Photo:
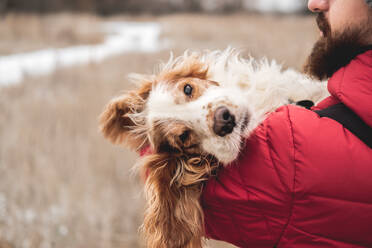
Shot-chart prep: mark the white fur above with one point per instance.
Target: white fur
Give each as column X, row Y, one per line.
column 255, row 88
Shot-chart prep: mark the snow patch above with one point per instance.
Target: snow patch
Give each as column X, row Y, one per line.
column 281, row 6
column 121, row 37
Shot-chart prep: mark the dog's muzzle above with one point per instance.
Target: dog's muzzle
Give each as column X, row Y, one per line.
column 224, row 121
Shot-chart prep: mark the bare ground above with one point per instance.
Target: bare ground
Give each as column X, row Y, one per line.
column 61, row 184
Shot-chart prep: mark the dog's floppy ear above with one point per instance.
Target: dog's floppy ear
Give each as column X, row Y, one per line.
column 121, row 120
column 173, row 216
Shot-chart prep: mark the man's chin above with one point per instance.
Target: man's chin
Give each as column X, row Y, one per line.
column 330, row 53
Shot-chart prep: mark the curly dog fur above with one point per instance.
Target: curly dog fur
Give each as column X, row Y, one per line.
column 173, row 114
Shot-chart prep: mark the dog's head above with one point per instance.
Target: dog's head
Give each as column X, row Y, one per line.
column 192, row 124
column 181, row 110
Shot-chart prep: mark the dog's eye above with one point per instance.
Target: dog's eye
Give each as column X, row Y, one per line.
column 187, row 90
column 183, row 137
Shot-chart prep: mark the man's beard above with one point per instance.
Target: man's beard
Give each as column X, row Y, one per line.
column 335, row 50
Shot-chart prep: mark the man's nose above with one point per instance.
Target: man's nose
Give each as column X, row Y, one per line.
column 318, row 5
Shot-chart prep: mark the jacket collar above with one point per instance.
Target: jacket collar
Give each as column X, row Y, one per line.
column 352, row 85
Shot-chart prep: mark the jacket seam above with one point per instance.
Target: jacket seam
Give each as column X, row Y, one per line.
column 230, row 216
column 268, row 226
column 294, row 181
column 329, row 238
column 270, row 232
column 339, row 93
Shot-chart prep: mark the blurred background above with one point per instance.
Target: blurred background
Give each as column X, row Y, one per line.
column 61, row 184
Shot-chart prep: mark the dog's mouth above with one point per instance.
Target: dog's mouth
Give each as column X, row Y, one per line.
column 245, row 121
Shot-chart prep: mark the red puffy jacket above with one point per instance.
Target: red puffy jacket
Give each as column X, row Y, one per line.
column 302, row 181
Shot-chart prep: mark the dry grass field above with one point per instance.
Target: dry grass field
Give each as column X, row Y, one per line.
column 61, row 184
column 22, row 33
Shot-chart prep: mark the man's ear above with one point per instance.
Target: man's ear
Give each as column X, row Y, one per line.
column 122, row 122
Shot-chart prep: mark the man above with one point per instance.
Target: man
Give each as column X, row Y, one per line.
column 306, row 181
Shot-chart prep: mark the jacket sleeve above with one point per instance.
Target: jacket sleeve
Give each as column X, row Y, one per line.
column 249, row 202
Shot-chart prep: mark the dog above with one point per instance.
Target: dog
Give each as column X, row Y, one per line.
column 194, row 115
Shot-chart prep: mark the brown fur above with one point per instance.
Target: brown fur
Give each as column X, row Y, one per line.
column 190, row 67
column 176, row 170
column 175, row 137
column 174, row 217
column 116, row 123
column 199, row 86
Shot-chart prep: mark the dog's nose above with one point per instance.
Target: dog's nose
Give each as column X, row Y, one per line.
column 224, row 121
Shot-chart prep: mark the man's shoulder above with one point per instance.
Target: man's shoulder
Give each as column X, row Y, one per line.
column 291, row 119
column 301, row 132
column 298, row 124
column 288, row 120
column 291, row 129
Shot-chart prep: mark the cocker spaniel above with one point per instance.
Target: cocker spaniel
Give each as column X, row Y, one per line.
column 192, row 117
